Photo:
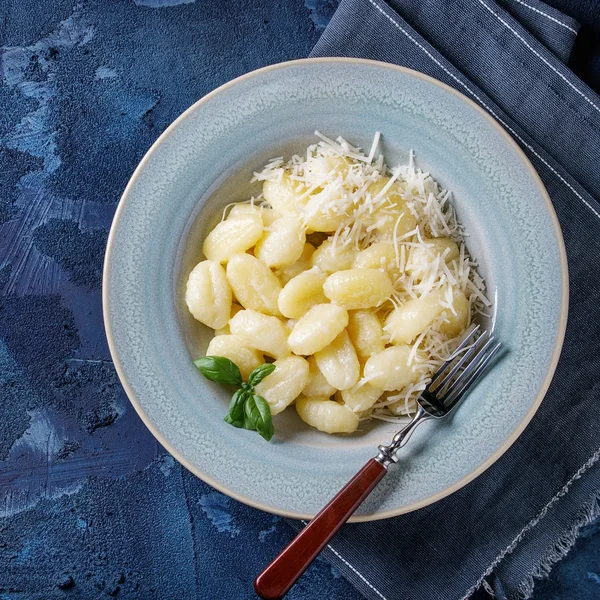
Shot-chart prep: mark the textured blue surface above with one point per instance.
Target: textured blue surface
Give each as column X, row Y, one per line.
column 91, row 506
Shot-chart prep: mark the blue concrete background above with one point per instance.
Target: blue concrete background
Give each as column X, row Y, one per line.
column 90, row 505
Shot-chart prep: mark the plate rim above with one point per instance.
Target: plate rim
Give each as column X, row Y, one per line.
column 562, row 324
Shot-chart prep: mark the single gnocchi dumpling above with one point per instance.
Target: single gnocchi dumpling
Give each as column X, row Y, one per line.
column 421, row 257
column 366, row 333
column 389, row 370
column 285, row 196
column 285, row 383
column 235, row 234
column 322, row 167
column 304, row 263
column 358, row 288
column 361, row 397
column 380, row 255
column 453, row 324
column 237, row 351
column 326, row 415
column 317, row 212
column 393, row 226
column 255, row 286
column 393, row 220
column 317, row 384
column 330, row 258
column 283, row 244
column 302, row 293
column 265, row 333
column 410, row 319
column 268, row 215
column 393, row 193
column 244, row 208
column 317, row 328
column 208, row 294
column 394, row 208
column 339, row 363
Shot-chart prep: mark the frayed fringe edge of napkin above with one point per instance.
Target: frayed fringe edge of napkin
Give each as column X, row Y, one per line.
column 561, row 548
column 588, row 513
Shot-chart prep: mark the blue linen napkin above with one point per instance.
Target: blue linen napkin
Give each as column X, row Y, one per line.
column 510, row 525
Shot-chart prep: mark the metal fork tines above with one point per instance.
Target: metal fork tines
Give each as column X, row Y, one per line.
column 448, row 386
column 456, row 376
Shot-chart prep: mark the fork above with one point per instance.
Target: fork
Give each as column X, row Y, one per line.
column 447, row 387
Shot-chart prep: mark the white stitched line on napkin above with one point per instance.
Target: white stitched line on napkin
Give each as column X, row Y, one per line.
column 359, row 574
column 549, row 166
column 472, row 93
column 351, row 567
column 538, row 54
column 590, row 463
column 541, row 12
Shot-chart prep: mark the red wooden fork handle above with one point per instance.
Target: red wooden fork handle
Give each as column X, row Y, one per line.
column 281, row 574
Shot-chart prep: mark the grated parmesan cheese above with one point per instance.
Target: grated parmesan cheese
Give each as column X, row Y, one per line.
column 365, row 202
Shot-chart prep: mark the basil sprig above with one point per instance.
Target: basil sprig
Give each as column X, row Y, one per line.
column 247, row 410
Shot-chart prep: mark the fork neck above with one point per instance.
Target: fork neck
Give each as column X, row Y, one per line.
column 387, row 454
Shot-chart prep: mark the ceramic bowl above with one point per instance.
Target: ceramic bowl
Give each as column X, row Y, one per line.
column 205, row 160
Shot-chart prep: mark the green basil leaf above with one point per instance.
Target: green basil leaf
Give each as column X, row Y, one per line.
column 235, row 416
column 248, row 421
column 259, row 414
column 219, row 369
column 260, row 373
column 238, row 424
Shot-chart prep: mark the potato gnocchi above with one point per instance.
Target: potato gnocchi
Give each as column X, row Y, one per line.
column 352, row 277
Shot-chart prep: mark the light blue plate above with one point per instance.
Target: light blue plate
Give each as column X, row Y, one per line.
column 205, row 160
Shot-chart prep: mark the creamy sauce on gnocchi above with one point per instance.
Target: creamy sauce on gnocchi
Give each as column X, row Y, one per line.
column 352, row 276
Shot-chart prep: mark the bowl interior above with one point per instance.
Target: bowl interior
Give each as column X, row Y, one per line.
column 235, row 186
column 206, row 160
